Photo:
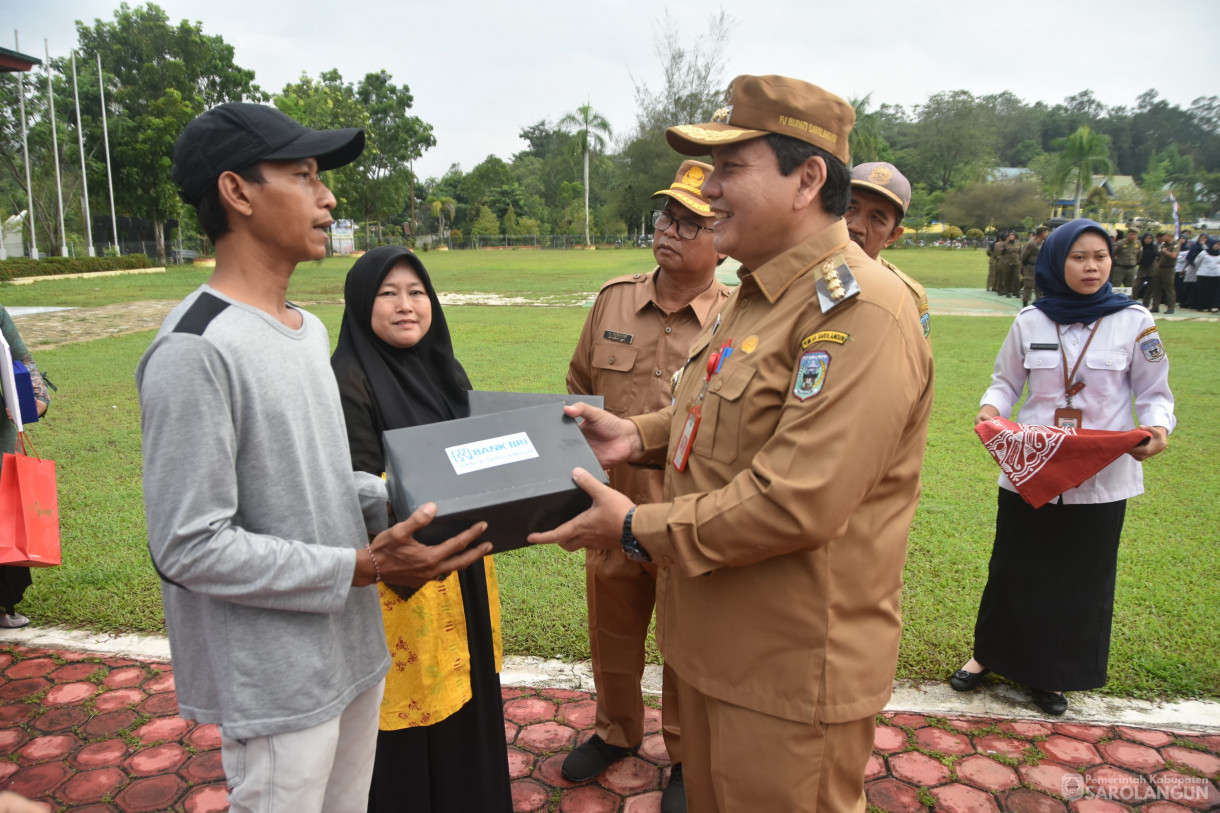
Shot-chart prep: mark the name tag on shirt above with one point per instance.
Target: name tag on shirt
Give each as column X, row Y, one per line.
column 1044, row 346
column 624, row 338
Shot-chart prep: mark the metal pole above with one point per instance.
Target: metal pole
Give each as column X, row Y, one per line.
column 80, row 140
column 59, row 186
column 114, row 221
column 25, row 152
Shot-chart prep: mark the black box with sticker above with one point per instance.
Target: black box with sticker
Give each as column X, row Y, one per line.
column 511, row 468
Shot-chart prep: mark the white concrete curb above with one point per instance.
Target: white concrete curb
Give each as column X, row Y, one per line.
column 934, row 698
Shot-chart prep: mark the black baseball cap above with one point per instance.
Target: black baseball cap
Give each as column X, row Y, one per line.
column 236, row 135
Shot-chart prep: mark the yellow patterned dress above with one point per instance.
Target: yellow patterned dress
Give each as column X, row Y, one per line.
column 430, row 677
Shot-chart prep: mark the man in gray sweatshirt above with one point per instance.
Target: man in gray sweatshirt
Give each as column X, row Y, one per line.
column 257, row 526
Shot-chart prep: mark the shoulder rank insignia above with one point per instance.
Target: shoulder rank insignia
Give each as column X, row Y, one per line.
column 810, row 374
column 836, row 283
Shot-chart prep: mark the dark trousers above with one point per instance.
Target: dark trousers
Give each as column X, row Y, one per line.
column 1160, row 289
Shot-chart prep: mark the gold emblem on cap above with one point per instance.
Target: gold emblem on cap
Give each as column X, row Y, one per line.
column 699, row 134
column 880, row 175
column 693, row 177
column 750, row 344
column 721, row 116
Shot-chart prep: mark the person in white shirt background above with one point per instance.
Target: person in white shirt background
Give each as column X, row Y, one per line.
column 1045, row 615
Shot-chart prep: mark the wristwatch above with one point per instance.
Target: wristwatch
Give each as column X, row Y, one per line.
column 631, row 545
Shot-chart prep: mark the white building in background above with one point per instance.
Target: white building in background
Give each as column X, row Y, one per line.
column 342, row 237
column 10, row 237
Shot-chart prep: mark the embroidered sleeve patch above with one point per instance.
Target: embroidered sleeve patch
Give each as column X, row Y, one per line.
column 811, row 374
column 824, row 336
column 1152, row 349
column 1147, row 332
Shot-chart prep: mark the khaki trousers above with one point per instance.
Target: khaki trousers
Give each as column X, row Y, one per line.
column 621, row 594
column 1027, row 279
column 1160, row 289
column 743, row 761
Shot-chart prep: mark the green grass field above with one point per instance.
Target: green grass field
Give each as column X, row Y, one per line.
column 1166, row 642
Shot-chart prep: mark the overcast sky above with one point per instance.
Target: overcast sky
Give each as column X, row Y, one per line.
column 481, row 71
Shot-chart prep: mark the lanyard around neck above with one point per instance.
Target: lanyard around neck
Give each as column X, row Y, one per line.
column 1070, row 389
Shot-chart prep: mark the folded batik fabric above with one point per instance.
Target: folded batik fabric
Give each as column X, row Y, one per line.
column 1042, row 462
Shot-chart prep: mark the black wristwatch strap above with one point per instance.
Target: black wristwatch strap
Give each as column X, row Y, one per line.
column 631, row 545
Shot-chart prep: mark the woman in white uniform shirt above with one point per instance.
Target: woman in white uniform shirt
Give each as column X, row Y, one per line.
column 1044, row 618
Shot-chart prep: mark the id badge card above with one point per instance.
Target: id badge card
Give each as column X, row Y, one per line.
column 682, row 449
column 1068, row 418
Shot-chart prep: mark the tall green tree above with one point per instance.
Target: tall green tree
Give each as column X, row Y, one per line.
column 591, row 130
column 439, row 205
column 1080, row 155
column 692, row 87
column 866, row 142
column 395, row 141
column 158, row 77
column 953, row 142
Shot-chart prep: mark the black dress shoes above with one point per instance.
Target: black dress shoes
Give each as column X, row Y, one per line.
column 673, row 798
column 963, row 681
column 1053, row 703
column 590, row 758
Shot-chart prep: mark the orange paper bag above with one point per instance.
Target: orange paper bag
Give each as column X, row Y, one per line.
column 29, row 510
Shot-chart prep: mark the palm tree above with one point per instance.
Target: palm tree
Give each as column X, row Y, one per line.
column 1081, row 154
column 589, row 125
column 439, row 206
column 866, row 142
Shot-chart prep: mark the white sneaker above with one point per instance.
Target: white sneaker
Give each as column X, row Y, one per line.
column 14, row 621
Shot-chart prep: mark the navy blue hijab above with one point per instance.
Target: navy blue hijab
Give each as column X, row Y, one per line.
column 1059, row 302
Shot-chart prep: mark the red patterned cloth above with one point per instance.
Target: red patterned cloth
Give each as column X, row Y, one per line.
column 1044, row 461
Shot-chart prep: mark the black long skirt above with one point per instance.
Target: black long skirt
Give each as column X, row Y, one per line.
column 13, row 582
column 1044, row 619
column 1206, row 294
column 459, row 765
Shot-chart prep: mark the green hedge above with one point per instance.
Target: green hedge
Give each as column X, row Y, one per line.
column 25, row 267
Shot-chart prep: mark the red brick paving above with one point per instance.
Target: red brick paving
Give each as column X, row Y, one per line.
column 91, row 734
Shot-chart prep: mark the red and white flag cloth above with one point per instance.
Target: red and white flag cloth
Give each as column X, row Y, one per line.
column 1044, row 461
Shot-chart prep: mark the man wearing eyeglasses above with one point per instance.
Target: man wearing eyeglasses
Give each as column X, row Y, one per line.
column 637, row 335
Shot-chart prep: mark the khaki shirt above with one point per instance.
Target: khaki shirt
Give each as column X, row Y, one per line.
column 1127, row 254
column 1008, row 255
column 918, row 294
column 1029, row 253
column 782, row 543
column 628, row 351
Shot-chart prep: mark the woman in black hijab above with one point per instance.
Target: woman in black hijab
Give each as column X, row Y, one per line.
column 441, row 745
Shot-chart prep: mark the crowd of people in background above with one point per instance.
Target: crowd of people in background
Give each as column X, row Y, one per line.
column 1154, row 268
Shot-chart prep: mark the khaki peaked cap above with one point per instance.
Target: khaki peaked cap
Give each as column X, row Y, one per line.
column 757, row 105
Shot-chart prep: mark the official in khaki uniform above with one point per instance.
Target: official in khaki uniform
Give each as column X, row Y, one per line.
column 782, row 534
column 1008, row 264
column 992, row 254
column 880, row 195
column 1029, row 260
column 636, row 337
column 1126, row 258
column 1160, row 284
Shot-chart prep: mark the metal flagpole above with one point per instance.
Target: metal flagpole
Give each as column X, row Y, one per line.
column 25, row 152
column 114, row 221
column 80, row 140
column 59, row 186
